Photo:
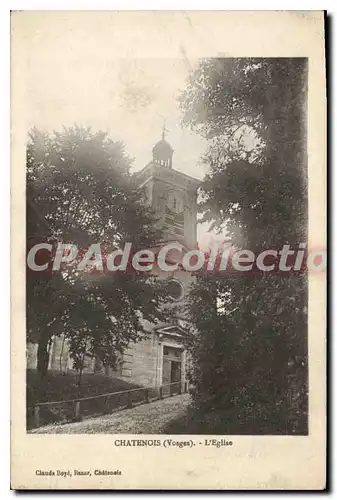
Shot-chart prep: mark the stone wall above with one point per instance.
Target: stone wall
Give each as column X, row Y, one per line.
column 141, row 362
column 59, row 358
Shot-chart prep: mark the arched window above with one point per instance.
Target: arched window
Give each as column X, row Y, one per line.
column 175, row 289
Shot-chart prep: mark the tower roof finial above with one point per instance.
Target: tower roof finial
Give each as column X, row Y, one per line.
column 164, row 130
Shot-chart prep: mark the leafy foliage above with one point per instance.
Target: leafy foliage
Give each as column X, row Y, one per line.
column 250, row 355
column 80, row 191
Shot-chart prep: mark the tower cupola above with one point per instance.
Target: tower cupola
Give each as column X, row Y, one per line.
column 162, row 152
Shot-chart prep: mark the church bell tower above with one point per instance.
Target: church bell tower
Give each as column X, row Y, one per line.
column 172, row 196
column 161, row 359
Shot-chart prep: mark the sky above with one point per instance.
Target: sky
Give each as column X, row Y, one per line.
column 68, row 80
column 129, row 98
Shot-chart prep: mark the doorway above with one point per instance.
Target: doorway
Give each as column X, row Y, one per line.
column 172, row 359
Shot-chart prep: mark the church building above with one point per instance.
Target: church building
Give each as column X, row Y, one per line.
column 160, row 359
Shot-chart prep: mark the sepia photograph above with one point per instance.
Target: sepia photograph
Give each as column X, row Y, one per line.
column 168, row 252
column 231, row 355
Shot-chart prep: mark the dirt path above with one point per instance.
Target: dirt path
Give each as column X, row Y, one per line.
column 150, row 418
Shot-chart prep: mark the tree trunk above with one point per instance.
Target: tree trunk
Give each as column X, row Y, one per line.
column 43, row 357
column 82, row 364
column 61, row 354
column 80, row 375
column 42, row 366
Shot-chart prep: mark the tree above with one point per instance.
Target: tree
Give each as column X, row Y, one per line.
column 80, row 191
column 253, row 113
